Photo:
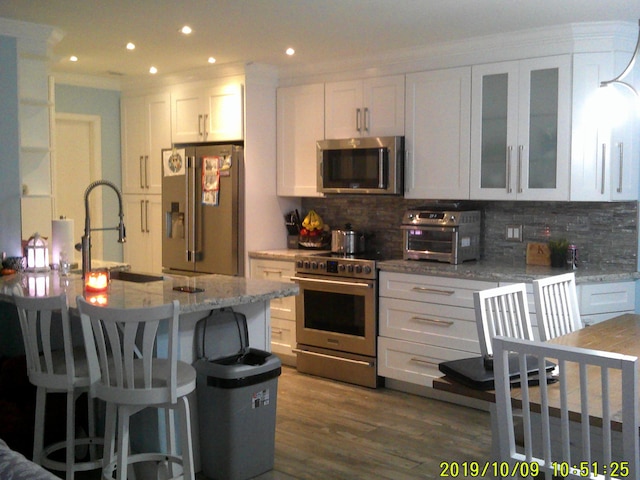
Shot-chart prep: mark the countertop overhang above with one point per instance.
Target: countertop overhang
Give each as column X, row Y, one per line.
column 219, row 291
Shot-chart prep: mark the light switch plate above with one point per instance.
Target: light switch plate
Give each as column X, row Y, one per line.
column 514, row 233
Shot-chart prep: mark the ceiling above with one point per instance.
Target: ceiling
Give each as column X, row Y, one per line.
column 239, row 31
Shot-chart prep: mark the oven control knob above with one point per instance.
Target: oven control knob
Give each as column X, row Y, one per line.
column 341, row 268
column 366, row 269
column 299, row 264
column 322, row 266
column 452, row 218
column 350, row 268
column 358, row 268
column 306, row 264
column 314, row 265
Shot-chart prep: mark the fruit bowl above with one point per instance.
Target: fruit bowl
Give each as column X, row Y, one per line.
column 317, row 242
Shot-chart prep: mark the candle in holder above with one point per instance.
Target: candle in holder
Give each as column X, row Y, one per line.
column 96, row 280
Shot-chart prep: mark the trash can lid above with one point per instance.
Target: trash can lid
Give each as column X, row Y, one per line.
column 222, row 334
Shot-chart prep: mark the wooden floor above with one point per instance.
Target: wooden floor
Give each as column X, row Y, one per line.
column 333, row 430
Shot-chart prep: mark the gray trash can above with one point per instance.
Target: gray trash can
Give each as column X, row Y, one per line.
column 237, row 397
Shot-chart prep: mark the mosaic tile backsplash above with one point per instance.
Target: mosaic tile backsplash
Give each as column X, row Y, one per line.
column 605, row 233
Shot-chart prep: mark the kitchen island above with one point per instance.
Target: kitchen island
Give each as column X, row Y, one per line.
column 248, row 296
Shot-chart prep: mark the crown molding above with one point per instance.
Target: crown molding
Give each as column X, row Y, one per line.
column 557, row 40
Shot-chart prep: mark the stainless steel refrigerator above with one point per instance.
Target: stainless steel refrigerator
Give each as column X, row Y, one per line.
column 202, row 206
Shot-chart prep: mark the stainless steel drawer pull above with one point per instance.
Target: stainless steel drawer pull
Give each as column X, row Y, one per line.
column 333, row 357
column 433, row 321
column 267, row 270
column 424, row 362
column 276, row 331
column 433, row 290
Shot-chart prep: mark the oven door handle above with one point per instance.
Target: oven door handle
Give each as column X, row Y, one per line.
column 333, row 282
column 324, row 355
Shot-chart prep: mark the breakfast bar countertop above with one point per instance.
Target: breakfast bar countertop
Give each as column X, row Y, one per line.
column 218, row 291
column 499, row 272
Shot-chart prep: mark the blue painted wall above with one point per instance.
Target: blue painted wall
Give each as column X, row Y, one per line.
column 10, row 190
column 106, row 105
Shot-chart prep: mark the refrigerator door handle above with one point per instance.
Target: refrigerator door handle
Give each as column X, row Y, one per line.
column 191, row 209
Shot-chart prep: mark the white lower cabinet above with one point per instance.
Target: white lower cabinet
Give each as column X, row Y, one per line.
column 423, row 321
column 601, row 301
column 283, row 310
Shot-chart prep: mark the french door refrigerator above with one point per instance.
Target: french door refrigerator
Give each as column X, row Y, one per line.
column 202, row 207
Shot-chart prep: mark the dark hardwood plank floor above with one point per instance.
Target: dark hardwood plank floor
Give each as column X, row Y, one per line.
column 333, row 430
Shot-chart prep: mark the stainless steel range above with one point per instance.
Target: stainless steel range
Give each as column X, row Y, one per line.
column 337, row 319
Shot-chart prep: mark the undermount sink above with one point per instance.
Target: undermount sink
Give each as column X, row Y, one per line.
column 127, row 276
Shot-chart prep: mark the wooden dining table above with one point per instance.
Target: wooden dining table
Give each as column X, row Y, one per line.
column 620, row 334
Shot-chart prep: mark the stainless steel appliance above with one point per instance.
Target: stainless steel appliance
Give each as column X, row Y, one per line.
column 347, row 241
column 361, row 165
column 202, row 208
column 336, row 318
column 451, row 236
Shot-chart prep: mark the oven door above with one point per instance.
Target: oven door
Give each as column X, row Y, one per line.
column 337, row 314
column 430, row 243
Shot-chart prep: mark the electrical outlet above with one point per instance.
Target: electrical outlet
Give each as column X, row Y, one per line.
column 514, row 233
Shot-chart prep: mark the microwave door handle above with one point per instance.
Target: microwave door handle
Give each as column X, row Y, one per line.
column 381, row 173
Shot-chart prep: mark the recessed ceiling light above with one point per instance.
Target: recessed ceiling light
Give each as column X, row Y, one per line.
column 73, row 58
column 153, row 70
column 211, row 60
column 290, row 51
column 186, row 30
column 131, row 46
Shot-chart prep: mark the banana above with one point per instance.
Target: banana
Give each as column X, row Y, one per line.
column 313, row 221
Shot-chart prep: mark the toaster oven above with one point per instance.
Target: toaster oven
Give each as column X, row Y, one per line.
column 441, row 235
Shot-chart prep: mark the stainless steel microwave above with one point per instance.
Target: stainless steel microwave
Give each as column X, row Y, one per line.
column 370, row 165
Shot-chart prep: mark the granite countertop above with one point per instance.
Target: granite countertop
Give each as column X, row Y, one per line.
column 495, row 272
column 284, row 254
column 218, row 290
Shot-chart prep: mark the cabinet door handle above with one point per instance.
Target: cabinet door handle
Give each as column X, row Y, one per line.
column 205, row 125
column 268, row 271
column 141, row 165
column 509, row 152
column 146, row 215
column 433, row 321
column 604, row 156
column 433, row 290
column 381, row 173
column 358, row 112
column 200, row 125
column 520, row 152
column 142, row 216
column 146, row 171
column 367, row 119
column 621, row 160
column 424, row 362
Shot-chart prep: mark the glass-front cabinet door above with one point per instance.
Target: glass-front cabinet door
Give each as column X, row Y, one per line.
column 520, row 130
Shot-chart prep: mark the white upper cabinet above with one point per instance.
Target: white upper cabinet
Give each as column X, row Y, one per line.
column 438, row 134
column 520, row 129
column 207, row 114
column 299, row 124
column 146, row 130
column 604, row 157
column 364, row 108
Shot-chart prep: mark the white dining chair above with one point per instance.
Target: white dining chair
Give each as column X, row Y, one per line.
column 502, row 311
column 55, row 366
column 557, row 308
column 133, row 365
column 576, row 444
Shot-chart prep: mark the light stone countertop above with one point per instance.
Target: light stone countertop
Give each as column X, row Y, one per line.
column 488, row 271
column 218, row 290
column 284, row 254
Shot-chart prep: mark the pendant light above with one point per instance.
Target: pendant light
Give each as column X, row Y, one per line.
column 627, row 70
